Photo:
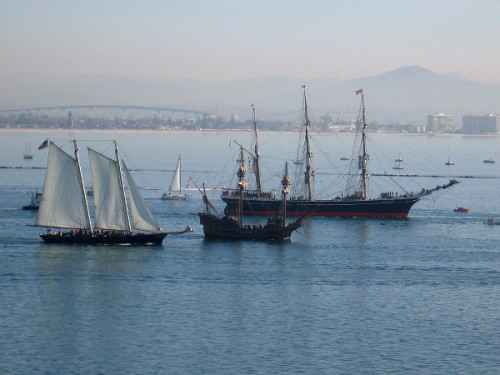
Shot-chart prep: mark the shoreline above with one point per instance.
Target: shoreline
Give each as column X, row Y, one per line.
column 228, row 131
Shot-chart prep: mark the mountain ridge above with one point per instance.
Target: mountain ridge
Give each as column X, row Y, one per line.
column 406, row 94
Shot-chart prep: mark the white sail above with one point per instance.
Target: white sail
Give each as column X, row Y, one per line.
column 141, row 217
column 109, row 207
column 175, row 185
column 63, row 202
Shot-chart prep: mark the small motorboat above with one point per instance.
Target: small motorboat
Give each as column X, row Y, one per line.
column 492, row 221
column 35, row 201
column 398, row 166
column 488, row 161
column 461, row 209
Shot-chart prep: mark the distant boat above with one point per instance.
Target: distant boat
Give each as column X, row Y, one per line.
column 35, row 201
column 27, row 152
column 492, row 221
column 175, row 189
column 449, row 161
column 489, row 161
column 398, row 160
column 121, row 214
column 344, row 158
column 461, row 209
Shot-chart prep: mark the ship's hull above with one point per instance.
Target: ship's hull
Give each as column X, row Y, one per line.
column 104, row 238
column 30, row 207
column 176, row 197
column 228, row 228
column 394, row 207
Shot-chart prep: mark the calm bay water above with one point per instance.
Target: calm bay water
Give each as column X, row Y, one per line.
column 344, row 296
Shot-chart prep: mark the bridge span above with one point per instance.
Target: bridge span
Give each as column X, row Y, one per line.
column 91, row 107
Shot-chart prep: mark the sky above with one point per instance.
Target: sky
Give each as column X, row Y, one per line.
column 222, row 40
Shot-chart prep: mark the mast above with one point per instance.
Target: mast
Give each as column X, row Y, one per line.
column 205, row 200
column 122, row 189
column 256, row 160
column 308, row 172
column 285, row 183
column 363, row 158
column 80, row 175
column 208, row 204
column 241, row 184
column 180, row 174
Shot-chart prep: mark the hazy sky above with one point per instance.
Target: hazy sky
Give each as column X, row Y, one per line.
column 230, row 39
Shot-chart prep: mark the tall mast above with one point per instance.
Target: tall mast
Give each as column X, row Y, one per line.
column 308, row 172
column 205, row 199
column 256, row 160
column 285, row 183
column 180, row 175
column 80, row 175
column 241, row 184
column 122, row 189
column 363, row 161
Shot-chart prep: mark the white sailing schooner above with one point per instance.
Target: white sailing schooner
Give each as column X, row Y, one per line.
column 121, row 214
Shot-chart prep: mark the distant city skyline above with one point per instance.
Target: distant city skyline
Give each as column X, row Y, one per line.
column 223, row 40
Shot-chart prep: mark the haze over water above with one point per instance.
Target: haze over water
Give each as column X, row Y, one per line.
column 352, row 296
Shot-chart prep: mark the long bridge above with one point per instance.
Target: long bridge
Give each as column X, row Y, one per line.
column 91, row 107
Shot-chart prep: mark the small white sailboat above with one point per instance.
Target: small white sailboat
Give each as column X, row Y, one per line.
column 27, row 152
column 120, row 212
column 175, row 189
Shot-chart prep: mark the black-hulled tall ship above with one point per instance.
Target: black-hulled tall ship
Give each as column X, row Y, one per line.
column 354, row 202
column 121, row 214
column 232, row 227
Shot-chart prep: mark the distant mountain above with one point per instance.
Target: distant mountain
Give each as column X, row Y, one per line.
column 407, row 94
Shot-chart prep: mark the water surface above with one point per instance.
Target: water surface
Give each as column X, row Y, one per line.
column 344, row 296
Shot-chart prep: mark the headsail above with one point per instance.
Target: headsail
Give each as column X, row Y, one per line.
column 63, row 202
column 141, row 216
column 175, row 185
column 108, row 202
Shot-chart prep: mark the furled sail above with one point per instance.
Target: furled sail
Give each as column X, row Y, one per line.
column 63, row 202
column 175, row 185
column 109, row 207
column 141, row 217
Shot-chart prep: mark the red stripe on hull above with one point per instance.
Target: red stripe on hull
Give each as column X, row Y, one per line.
column 330, row 214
